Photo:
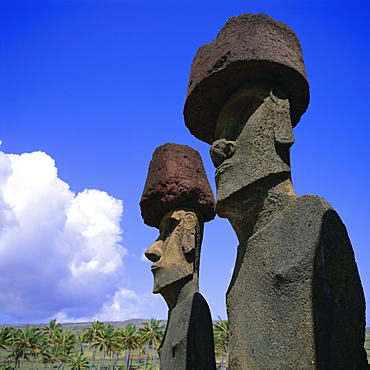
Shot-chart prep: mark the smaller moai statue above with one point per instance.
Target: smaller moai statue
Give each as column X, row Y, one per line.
column 178, row 199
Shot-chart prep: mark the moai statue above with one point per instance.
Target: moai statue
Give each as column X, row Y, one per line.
column 295, row 300
column 178, row 199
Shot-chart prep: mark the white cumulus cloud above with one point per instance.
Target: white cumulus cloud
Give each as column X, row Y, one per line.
column 124, row 304
column 60, row 252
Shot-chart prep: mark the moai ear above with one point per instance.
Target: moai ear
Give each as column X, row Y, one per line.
column 188, row 241
column 282, row 122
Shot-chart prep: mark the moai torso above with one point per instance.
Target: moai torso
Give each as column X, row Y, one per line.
column 188, row 340
column 304, row 304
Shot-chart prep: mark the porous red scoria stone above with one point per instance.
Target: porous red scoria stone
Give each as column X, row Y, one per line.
column 176, row 178
column 248, row 48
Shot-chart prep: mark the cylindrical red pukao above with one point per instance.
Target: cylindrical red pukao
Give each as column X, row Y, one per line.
column 176, row 178
column 248, row 48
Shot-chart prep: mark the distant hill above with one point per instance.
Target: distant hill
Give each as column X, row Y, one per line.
column 82, row 326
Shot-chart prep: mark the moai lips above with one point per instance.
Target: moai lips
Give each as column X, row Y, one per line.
column 248, row 48
column 176, row 178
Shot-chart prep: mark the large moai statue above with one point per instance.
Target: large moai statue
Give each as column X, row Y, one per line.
column 295, row 300
column 178, row 199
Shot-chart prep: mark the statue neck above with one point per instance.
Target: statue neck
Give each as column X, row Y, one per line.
column 177, row 292
column 255, row 206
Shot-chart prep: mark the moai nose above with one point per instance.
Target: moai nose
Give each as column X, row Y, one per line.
column 221, row 150
column 154, row 252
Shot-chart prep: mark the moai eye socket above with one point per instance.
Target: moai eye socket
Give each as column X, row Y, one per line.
column 237, row 110
column 168, row 227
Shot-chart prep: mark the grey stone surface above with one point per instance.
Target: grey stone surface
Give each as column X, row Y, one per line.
column 260, row 148
column 177, row 199
column 295, row 300
column 188, row 342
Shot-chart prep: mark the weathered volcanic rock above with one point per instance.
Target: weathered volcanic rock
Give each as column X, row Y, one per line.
column 295, row 300
column 188, row 342
column 248, row 48
column 176, row 178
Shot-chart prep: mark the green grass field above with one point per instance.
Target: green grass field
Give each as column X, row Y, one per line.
column 137, row 362
column 367, row 348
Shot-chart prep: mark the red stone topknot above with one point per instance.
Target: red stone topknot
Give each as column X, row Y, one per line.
column 176, row 178
column 248, row 48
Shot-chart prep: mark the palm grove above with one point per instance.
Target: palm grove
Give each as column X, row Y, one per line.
column 99, row 346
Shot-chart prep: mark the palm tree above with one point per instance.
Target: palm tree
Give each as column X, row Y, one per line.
column 104, row 339
column 50, row 351
column 5, row 367
column 26, row 343
column 152, row 333
column 81, row 339
column 6, row 335
column 64, row 341
column 221, row 334
column 79, row 362
column 58, row 344
column 142, row 351
column 6, row 338
column 91, row 337
column 130, row 339
column 49, row 329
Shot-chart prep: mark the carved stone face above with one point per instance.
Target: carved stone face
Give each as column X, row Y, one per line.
column 255, row 133
column 173, row 253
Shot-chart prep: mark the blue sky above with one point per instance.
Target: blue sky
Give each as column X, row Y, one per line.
column 89, row 89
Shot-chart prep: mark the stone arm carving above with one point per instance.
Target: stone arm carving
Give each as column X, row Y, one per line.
column 336, row 273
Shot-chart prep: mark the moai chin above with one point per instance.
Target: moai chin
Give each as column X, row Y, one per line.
column 295, row 300
column 178, row 199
